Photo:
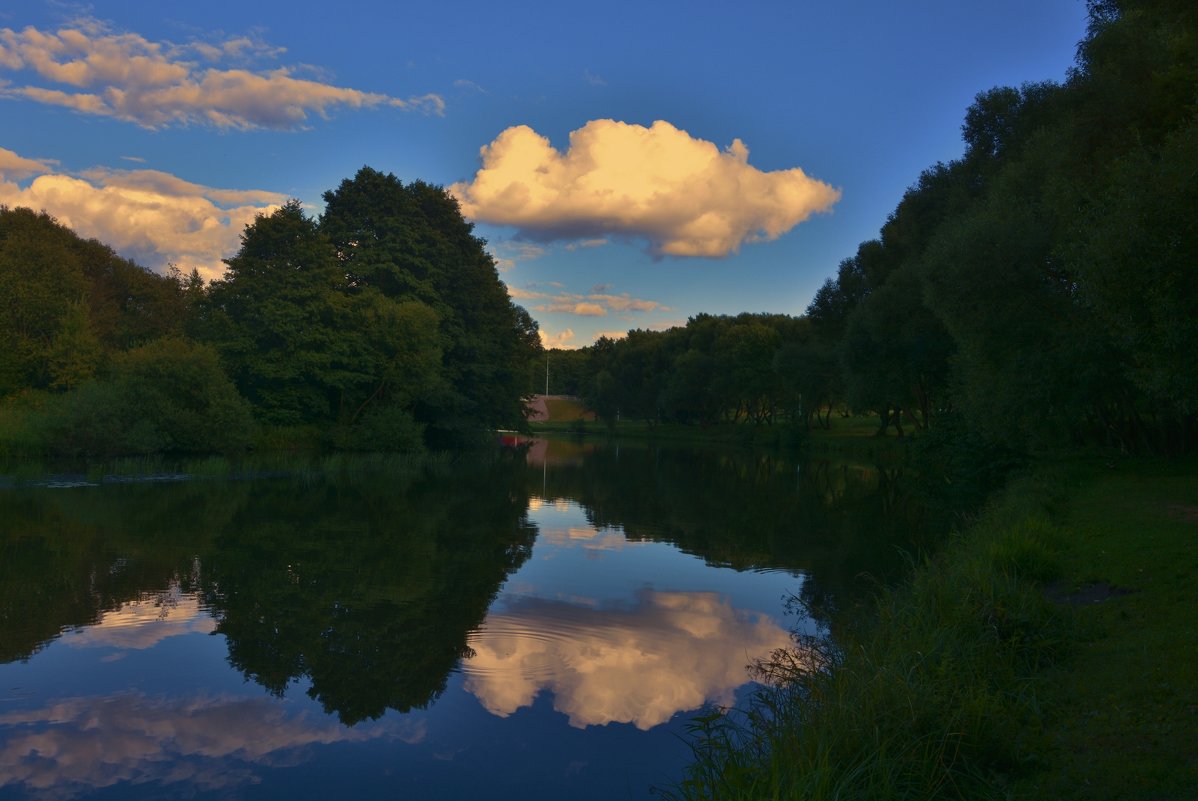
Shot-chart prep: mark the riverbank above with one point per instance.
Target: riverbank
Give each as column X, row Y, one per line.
column 1123, row 707
column 847, row 435
column 1047, row 652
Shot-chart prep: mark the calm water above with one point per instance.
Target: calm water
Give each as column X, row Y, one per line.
column 536, row 625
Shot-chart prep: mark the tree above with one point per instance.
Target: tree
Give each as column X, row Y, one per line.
column 410, row 242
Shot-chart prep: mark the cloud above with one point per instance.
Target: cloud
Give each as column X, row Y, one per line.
column 582, row 309
column 152, row 217
column 586, row 243
column 671, row 652
column 595, row 304
column 683, row 195
column 157, row 84
column 76, row 746
column 509, row 253
column 623, row 303
column 593, row 79
column 466, row 83
column 14, row 167
column 559, row 340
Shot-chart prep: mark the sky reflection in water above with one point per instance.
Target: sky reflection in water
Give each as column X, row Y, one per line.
column 259, row 658
column 608, row 635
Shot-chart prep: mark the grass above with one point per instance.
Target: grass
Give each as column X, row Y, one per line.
column 567, row 410
column 979, row 679
column 1125, row 704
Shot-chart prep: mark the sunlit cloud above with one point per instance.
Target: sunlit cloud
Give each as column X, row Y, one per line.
column 152, row 217
column 595, row 304
column 14, row 167
column 683, row 195
column 76, row 746
column 582, row 309
column 509, row 253
column 561, row 339
column 671, row 652
column 93, row 69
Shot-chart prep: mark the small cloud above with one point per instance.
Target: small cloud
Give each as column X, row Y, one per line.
column 593, row 79
column 595, row 304
column 137, row 159
column 586, row 243
column 684, row 196
column 95, row 70
column 558, row 340
column 525, row 294
column 589, row 310
column 13, row 167
column 463, row 83
column 509, row 253
column 600, row 288
column 625, row 302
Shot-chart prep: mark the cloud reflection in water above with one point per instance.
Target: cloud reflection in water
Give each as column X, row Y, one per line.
column 78, row 745
column 670, row 652
column 145, row 622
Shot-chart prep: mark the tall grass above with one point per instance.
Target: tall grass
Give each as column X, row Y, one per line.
column 933, row 697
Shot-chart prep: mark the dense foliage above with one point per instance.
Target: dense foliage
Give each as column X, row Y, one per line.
column 1041, row 291
column 381, row 325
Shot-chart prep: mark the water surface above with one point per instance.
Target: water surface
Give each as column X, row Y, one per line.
column 540, row 624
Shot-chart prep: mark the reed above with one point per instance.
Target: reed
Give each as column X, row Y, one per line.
column 935, row 696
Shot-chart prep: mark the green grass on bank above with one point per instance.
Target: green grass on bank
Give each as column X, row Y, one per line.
column 982, row 678
column 567, row 410
column 1123, row 707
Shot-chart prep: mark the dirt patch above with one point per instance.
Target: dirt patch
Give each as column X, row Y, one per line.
column 536, row 410
column 1092, row 593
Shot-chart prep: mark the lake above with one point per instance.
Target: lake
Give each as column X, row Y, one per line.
column 538, row 623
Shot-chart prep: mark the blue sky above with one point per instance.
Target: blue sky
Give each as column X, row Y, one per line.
column 163, row 128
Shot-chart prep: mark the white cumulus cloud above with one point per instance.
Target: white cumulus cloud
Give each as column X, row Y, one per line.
column 150, row 216
column 685, row 196
column 95, row 70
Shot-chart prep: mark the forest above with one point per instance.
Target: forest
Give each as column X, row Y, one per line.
column 380, row 325
column 1040, row 292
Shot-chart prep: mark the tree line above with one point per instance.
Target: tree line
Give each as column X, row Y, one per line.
column 1040, row 291
column 380, row 324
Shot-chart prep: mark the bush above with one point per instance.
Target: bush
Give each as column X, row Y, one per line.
column 381, row 428
column 167, row 396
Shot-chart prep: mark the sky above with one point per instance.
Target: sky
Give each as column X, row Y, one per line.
column 630, row 164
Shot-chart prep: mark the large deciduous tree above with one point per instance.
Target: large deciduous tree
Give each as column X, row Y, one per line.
column 410, row 243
